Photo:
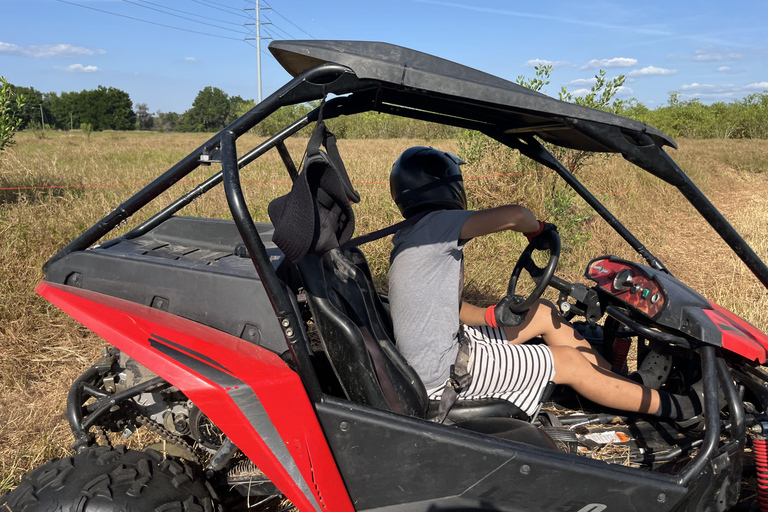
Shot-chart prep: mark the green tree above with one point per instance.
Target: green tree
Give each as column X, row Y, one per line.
column 144, row 116
column 601, row 96
column 166, row 121
column 540, row 79
column 238, row 106
column 29, row 115
column 11, row 104
column 209, row 112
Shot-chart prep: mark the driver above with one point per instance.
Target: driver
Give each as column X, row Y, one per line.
column 426, row 278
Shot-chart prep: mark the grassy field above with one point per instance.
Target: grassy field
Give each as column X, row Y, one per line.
column 43, row 350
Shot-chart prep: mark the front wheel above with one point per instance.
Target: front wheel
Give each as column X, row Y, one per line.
column 102, row 479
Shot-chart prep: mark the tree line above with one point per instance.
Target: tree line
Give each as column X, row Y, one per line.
column 109, row 108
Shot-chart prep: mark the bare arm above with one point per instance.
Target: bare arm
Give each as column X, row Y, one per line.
column 472, row 315
column 485, row 222
column 492, row 220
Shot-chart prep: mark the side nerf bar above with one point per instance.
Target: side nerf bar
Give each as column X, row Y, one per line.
column 247, row 391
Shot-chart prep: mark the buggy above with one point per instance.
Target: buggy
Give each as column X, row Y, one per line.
column 208, row 322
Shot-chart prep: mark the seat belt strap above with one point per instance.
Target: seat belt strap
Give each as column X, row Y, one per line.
column 459, row 380
column 370, row 237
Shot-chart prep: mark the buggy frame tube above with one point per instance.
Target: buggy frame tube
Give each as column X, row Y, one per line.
column 289, row 322
column 274, row 141
column 314, row 83
column 735, row 405
column 711, row 418
column 647, row 155
column 534, row 150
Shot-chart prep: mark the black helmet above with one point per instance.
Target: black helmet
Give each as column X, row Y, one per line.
column 427, row 179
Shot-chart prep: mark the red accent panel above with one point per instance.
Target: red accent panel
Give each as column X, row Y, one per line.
column 739, row 336
column 604, row 271
column 128, row 326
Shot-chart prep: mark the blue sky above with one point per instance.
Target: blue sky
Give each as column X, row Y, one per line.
column 713, row 50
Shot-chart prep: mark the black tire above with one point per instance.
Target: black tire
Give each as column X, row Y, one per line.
column 102, row 479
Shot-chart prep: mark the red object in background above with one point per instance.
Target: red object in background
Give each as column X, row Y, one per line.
column 170, row 346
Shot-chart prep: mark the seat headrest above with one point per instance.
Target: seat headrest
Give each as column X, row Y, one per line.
column 316, row 215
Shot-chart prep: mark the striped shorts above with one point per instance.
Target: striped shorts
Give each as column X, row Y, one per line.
column 518, row 373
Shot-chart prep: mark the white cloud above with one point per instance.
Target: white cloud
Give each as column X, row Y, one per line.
column 583, row 81
column 651, row 71
column 60, row 51
column 729, row 70
column 714, row 91
column 617, row 62
column 707, row 54
column 542, row 62
column 190, row 59
column 78, row 68
column 621, row 91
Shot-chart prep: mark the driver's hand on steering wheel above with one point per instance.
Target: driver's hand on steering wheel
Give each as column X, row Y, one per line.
column 500, row 314
column 538, row 238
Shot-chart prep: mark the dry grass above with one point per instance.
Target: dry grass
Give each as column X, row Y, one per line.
column 43, row 350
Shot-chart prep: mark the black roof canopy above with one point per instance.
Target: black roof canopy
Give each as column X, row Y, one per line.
column 416, row 80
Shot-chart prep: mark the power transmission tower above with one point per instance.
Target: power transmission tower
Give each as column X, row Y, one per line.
column 257, row 23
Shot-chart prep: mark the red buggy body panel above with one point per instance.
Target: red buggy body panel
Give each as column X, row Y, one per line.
column 249, row 392
column 739, row 336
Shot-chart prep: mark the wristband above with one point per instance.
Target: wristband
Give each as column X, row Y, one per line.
column 533, row 234
column 490, row 316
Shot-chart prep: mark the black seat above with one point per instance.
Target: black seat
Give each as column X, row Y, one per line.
column 356, row 332
column 369, row 368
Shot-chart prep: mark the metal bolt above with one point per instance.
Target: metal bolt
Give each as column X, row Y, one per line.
column 289, row 332
column 525, row 469
column 661, row 498
column 251, row 332
column 344, row 426
column 286, row 322
column 128, row 431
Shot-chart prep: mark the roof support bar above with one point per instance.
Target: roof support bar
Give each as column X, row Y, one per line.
column 290, row 323
column 534, row 150
column 173, row 208
column 334, row 108
column 655, row 160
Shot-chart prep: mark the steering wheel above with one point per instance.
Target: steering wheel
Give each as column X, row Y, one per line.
column 541, row 276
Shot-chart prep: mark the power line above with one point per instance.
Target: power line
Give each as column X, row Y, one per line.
column 262, row 51
column 185, row 18
column 215, row 5
column 275, row 27
column 289, row 21
column 187, row 12
column 147, row 21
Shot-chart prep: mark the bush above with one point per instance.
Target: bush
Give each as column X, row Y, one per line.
column 10, row 104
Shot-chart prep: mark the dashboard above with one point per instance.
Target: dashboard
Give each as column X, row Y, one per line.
column 628, row 282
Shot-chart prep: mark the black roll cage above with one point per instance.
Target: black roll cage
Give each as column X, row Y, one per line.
column 354, row 95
